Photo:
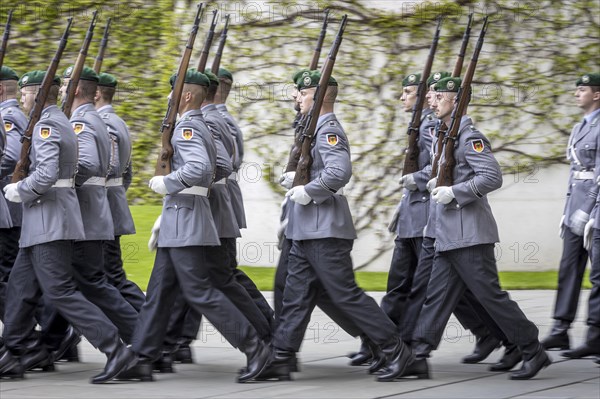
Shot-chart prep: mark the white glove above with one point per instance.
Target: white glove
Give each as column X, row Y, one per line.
column 587, row 234
column 442, row 195
column 561, row 227
column 299, row 195
column 577, row 221
column 153, row 241
column 12, row 192
column 287, row 179
column 157, row 184
column 431, row 184
column 408, row 182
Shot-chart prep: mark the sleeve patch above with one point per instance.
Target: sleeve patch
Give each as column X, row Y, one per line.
column 45, row 132
column 477, row 145
column 8, row 126
column 187, row 133
column 332, row 139
column 78, row 127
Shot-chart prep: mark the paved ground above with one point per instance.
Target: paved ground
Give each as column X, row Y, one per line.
column 325, row 373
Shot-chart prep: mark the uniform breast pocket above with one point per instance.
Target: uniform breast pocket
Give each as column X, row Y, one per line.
column 588, row 154
column 40, row 213
column 178, row 217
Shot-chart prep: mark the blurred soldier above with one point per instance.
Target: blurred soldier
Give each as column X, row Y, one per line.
column 581, row 198
column 588, row 99
column 321, row 247
column 14, row 123
column 51, row 221
column 94, row 148
column 186, row 230
column 464, row 258
column 117, row 183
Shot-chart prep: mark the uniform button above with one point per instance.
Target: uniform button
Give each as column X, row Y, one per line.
column 38, row 201
column 175, row 206
column 458, row 206
column 424, row 198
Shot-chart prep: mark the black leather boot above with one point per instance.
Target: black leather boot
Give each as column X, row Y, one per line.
column 164, row 364
column 364, row 355
column 279, row 366
column 483, row 348
column 558, row 337
column 532, row 366
column 120, row 359
column 10, row 367
column 141, row 371
column 183, row 354
column 378, row 358
column 67, row 349
column 71, row 355
column 512, row 356
column 399, row 358
column 38, row 358
column 590, row 347
column 257, row 355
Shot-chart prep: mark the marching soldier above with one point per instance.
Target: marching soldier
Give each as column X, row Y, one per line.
column 94, row 156
column 588, row 99
column 464, row 257
column 321, row 248
column 14, row 124
column 186, row 230
column 51, row 222
column 117, row 183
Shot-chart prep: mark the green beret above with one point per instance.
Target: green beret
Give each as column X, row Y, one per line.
column 298, row 74
column 411, row 80
column 224, row 73
column 448, row 84
column 437, row 76
column 211, row 76
column 35, row 78
column 86, row 74
column 192, row 76
column 589, row 79
column 107, row 80
column 7, row 73
column 311, row 79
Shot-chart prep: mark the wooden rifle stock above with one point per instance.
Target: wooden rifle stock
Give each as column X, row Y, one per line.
column 78, row 68
column 299, row 124
column 445, row 177
column 222, row 39
column 5, row 37
column 302, row 176
column 442, row 128
column 163, row 164
column 411, row 159
column 207, row 43
column 22, row 167
column 102, row 49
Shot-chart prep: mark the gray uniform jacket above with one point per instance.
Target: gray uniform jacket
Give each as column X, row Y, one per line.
column 468, row 220
column 5, row 219
column 414, row 205
column 186, row 218
column 220, row 198
column 94, row 158
column 15, row 123
column 237, row 200
column 328, row 215
column 120, row 167
column 582, row 151
column 50, row 213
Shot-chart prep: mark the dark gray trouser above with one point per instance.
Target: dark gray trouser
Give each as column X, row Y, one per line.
column 9, row 248
column 570, row 276
column 47, row 269
column 472, row 268
column 185, row 270
column 468, row 311
column 113, row 267
column 88, row 267
column 593, row 320
column 323, row 301
column 326, row 261
column 400, row 277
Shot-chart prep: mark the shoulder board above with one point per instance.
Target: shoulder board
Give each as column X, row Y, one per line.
column 332, row 123
column 45, row 115
column 81, row 113
column 9, row 111
column 105, row 115
column 429, row 117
